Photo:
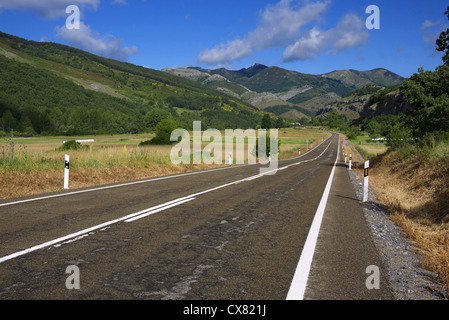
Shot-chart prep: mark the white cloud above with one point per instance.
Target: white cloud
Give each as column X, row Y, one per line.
column 306, row 48
column 349, row 32
column 88, row 40
column 431, row 30
column 83, row 38
column 233, row 50
column 278, row 25
column 48, row 9
column 281, row 26
column 122, row 2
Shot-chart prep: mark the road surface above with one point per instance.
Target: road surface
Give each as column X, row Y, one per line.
column 221, row 234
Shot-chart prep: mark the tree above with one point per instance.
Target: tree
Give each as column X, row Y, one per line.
column 154, row 116
column 164, row 130
column 7, row 121
column 428, row 93
column 443, row 41
column 266, row 122
column 373, row 128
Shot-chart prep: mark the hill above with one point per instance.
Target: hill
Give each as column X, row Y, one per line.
column 286, row 93
column 49, row 88
column 359, row 79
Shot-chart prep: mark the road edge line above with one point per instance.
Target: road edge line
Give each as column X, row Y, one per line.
column 299, row 282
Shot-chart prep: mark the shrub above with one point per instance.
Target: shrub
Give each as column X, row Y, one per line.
column 163, row 132
column 71, row 145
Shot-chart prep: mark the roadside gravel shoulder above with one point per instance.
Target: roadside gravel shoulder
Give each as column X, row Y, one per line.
column 408, row 280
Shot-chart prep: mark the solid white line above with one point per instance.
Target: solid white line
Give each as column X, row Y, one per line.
column 149, row 213
column 142, row 213
column 113, row 186
column 299, row 282
column 160, row 207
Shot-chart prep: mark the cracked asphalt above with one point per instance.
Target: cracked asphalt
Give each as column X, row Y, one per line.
column 241, row 241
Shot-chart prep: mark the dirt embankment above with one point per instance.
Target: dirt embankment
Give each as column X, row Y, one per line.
column 416, row 193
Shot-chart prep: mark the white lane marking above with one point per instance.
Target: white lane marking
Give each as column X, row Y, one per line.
column 150, row 212
column 114, row 186
column 81, row 233
column 299, row 282
column 145, row 212
column 142, row 181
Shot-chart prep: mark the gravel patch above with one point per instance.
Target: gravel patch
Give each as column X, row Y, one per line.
column 402, row 262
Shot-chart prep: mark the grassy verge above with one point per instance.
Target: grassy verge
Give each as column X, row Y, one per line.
column 34, row 165
column 368, row 148
column 414, row 185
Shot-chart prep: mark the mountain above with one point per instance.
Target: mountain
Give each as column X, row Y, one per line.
column 49, row 88
column 359, row 79
column 286, row 93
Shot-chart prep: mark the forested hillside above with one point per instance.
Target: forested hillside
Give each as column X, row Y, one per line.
column 47, row 88
column 289, row 94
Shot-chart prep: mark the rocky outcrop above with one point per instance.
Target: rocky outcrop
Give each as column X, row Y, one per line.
column 393, row 103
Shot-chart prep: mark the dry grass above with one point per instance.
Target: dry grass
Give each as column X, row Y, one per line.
column 38, row 167
column 24, row 184
column 417, row 195
column 41, row 169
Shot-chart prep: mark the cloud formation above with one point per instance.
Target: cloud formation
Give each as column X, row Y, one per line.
column 431, row 30
column 84, row 38
column 48, row 9
column 88, row 40
column 281, row 25
column 350, row 32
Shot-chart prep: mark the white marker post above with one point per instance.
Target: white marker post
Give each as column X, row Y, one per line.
column 365, row 182
column 66, row 172
column 350, row 162
column 230, row 158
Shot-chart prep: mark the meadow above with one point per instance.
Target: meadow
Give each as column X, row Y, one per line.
column 35, row 165
column 368, row 148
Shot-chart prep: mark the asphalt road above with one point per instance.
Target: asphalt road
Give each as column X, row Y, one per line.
column 226, row 234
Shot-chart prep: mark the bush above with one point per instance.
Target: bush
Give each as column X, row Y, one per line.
column 434, row 146
column 163, row 132
column 399, row 137
column 71, row 145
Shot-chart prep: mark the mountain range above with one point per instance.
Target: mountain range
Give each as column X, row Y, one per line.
column 49, row 88
column 287, row 93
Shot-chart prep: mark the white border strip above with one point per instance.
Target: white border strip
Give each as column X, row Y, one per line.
column 299, row 282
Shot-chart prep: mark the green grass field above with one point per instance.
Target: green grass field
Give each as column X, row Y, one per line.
column 368, row 148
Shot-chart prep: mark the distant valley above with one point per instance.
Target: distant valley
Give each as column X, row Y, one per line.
column 290, row 94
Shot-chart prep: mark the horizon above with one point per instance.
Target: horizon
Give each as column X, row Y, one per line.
column 256, row 63
column 311, row 37
column 243, row 68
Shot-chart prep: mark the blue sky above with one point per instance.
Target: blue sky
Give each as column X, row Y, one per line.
column 309, row 36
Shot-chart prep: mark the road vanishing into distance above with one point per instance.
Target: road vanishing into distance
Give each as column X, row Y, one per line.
column 223, row 234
